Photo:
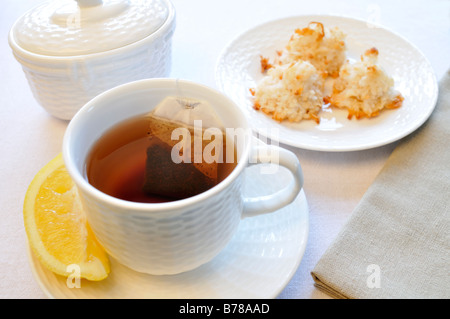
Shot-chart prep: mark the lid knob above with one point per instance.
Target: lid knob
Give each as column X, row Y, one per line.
column 89, row 3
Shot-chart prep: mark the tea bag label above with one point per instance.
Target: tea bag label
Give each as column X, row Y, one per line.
column 187, row 110
column 207, row 144
column 187, row 133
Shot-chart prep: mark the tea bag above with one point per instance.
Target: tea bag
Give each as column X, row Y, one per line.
column 186, row 145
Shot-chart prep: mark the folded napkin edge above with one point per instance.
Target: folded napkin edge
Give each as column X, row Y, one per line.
column 327, row 289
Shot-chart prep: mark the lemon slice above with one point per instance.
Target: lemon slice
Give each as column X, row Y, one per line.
column 56, row 225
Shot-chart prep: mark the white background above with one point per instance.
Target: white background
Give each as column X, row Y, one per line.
column 334, row 182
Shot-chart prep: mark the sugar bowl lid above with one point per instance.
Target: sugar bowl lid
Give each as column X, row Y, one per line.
column 80, row 27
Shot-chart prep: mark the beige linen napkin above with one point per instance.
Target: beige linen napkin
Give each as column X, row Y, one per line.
column 396, row 243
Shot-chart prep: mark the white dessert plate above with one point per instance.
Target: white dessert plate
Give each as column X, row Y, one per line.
column 259, row 261
column 238, row 69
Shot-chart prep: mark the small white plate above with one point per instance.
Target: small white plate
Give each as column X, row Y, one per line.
column 259, row 261
column 238, row 70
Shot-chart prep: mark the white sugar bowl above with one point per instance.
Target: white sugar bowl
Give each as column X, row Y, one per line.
column 71, row 51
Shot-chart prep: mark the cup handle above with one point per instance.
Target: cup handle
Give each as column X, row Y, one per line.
column 263, row 153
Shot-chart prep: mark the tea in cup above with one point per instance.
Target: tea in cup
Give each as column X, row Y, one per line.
column 140, row 220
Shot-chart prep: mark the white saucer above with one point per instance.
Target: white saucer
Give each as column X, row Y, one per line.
column 238, row 69
column 259, row 261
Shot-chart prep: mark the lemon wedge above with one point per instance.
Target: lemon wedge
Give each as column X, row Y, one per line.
column 56, row 225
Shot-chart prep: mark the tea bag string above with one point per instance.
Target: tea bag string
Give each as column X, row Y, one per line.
column 182, row 100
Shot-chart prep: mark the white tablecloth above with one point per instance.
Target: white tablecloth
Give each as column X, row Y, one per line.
column 334, row 182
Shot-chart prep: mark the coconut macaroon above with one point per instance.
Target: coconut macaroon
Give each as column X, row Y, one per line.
column 290, row 92
column 322, row 47
column 364, row 88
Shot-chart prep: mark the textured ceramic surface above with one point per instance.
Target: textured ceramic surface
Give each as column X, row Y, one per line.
column 258, row 262
column 167, row 241
column 63, row 84
column 238, row 70
column 172, row 237
column 67, row 28
column 63, row 90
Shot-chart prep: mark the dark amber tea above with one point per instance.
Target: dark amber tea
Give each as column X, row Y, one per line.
column 140, row 160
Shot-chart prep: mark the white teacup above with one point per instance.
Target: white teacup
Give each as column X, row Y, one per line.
column 171, row 237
